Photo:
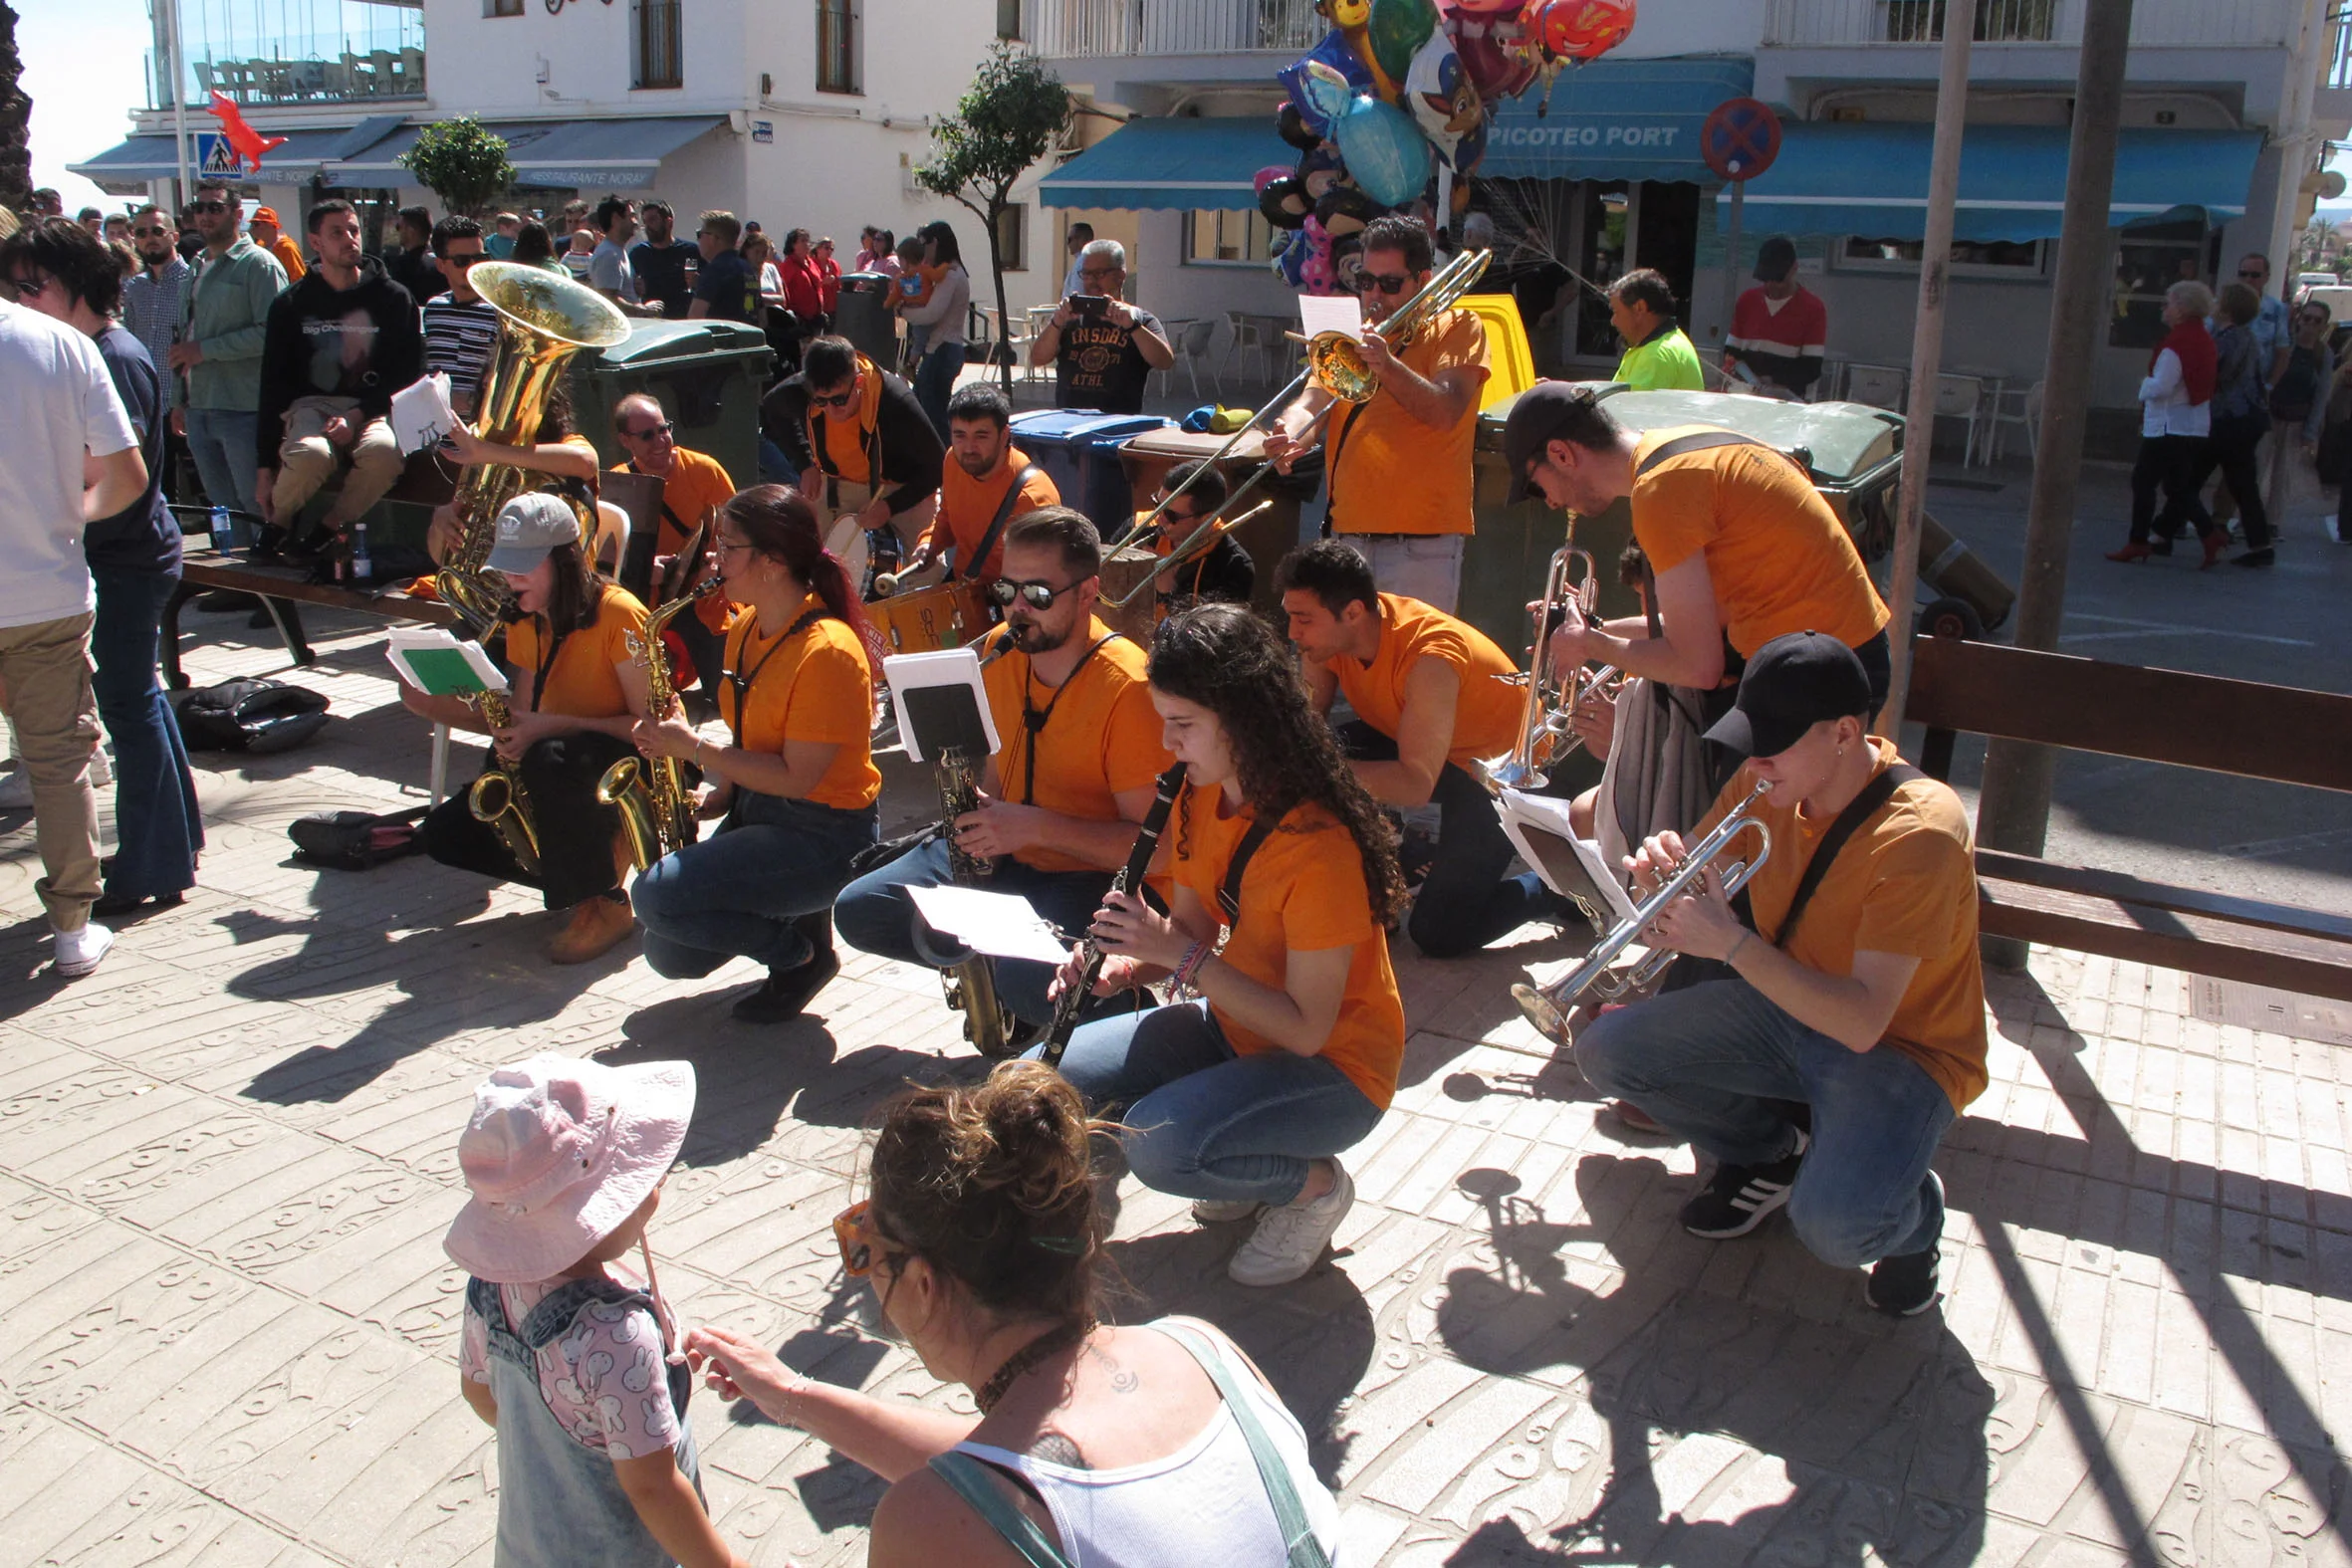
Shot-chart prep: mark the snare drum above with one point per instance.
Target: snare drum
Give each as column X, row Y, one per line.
column 925, row 620
column 1123, row 571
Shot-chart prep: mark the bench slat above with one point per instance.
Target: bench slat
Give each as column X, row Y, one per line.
column 290, row 585
column 2170, row 939
column 2117, row 886
column 2253, row 730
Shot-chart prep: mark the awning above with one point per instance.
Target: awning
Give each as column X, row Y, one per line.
column 1178, row 164
column 573, row 154
column 1625, row 119
column 305, row 153
column 1872, row 179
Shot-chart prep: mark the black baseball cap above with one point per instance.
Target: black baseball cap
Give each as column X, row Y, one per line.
column 1543, row 411
column 1776, row 259
column 1792, row 684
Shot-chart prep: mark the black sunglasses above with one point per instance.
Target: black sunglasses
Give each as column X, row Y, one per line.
column 837, row 400
column 1384, row 283
column 208, row 206
column 1036, row 595
column 650, row 432
column 149, row 233
column 462, row 262
column 2255, row 273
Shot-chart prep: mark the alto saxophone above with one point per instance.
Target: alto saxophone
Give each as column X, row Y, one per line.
column 650, row 795
column 972, row 984
column 498, row 797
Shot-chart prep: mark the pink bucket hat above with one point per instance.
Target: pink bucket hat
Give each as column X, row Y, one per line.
column 559, row 1153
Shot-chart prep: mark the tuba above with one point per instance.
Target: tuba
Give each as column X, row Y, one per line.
column 651, row 797
column 544, row 319
column 1544, row 735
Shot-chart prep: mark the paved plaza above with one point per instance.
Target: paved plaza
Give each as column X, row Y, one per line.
column 226, row 1162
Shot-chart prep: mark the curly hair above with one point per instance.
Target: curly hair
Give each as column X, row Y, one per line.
column 1231, row 663
column 992, row 1184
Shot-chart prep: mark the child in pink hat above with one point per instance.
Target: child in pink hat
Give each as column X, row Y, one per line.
column 567, row 1354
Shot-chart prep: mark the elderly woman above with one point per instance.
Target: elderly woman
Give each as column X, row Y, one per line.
column 2241, row 417
column 2176, row 423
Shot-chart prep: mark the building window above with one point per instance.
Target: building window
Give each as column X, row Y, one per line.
column 2149, row 259
column 2013, row 258
column 839, row 24
column 1998, row 21
column 654, row 44
column 1009, row 19
column 1012, row 236
column 1218, row 238
column 502, row 7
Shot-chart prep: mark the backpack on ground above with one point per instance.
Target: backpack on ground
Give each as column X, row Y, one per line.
column 355, row 840
column 249, row 716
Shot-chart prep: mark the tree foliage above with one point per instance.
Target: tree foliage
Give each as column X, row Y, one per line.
column 462, row 163
column 1012, row 115
column 15, row 114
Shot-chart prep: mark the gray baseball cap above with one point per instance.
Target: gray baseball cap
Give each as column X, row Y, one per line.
column 529, row 527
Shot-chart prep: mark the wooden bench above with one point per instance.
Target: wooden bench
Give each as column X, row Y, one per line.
column 2244, row 728
column 281, row 589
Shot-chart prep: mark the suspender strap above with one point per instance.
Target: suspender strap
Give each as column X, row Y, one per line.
column 969, row 570
column 970, row 1479
column 1229, row 892
column 1861, row 808
column 742, row 684
column 1034, row 720
column 1299, row 1541
column 1332, row 464
column 668, row 516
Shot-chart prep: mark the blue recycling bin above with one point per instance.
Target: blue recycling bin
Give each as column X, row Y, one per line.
column 1078, row 448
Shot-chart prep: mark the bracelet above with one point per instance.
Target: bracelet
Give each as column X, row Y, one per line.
column 1731, row 958
column 1190, row 964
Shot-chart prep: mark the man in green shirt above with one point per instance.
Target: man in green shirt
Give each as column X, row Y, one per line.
column 1658, row 353
column 219, row 353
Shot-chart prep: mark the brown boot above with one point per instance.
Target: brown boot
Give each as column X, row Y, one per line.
column 598, row 925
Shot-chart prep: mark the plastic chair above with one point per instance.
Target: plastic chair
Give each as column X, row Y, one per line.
column 2014, row 405
column 1961, row 397
column 1191, row 343
column 1878, row 385
column 1247, row 338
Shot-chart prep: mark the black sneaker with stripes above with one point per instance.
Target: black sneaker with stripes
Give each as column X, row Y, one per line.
column 1737, row 1197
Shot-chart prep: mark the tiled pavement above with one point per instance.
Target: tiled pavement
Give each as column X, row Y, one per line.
column 226, row 1162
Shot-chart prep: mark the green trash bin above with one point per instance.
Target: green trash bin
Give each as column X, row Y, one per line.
column 707, row 374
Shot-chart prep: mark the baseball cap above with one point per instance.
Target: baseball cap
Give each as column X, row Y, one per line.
column 1776, row 259
column 1541, row 412
column 529, row 527
column 268, row 215
column 1792, row 684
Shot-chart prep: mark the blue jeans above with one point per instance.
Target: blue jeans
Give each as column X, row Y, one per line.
column 221, row 441
column 738, row 893
column 1704, row 1061
column 875, row 916
column 1465, row 901
column 1202, row 1121
column 935, row 383
column 157, row 828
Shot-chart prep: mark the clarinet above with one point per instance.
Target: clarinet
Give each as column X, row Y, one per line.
column 1071, row 1002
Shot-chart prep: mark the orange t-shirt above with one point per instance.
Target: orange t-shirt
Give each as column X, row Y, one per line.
column 1486, row 711
column 1102, row 737
column 845, row 436
column 288, row 257
column 695, row 483
column 584, row 681
column 1779, row 559
column 818, row 689
column 1391, row 473
column 1303, row 891
column 967, row 506
column 1905, row 883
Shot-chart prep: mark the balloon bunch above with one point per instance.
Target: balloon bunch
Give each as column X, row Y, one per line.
column 1396, row 99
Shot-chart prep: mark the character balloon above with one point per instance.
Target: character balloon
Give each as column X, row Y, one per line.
column 1309, row 79
column 1399, row 29
column 1385, row 152
column 1444, row 104
column 1583, row 29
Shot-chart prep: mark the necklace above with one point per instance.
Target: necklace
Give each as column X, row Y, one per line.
column 1026, row 1359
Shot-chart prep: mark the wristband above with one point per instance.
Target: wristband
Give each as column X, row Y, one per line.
column 1190, row 964
column 1732, row 958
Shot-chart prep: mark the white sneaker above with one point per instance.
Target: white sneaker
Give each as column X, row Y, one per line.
column 1224, row 1211
column 15, row 789
column 77, row 952
column 1289, row 1238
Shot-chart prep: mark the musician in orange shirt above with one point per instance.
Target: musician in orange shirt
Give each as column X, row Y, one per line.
column 991, row 483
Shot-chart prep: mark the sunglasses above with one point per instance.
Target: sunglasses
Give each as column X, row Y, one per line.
column 208, row 206
column 149, row 233
column 651, row 432
column 2253, row 273
column 463, row 262
column 1382, row 282
column 1036, row 595
column 860, row 1241
column 835, row 401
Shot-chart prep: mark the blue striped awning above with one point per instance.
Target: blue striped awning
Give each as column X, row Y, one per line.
column 1171, row 164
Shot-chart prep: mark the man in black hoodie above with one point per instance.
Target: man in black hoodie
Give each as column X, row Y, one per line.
column 338, row 344
column 863, row 446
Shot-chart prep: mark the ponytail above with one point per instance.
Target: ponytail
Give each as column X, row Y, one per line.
column 779, row 521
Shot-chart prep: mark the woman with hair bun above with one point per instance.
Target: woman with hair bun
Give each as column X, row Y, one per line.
column 796, row 790
column 1148, row 1447
column 1242, row 1098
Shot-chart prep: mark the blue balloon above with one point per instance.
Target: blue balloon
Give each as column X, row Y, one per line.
column 1306, row 94
column 1386, row 154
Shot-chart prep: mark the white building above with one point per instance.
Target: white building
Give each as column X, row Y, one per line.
column 795, row 112
column 2228, row 108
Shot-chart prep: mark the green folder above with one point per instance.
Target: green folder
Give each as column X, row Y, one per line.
column 444, row 672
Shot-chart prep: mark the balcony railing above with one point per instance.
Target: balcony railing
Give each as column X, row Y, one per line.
column 2155, row 23
column 375, row 53
column 1094, row 28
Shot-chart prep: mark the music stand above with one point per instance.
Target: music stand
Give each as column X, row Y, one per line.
column 1538, row 826
column 941, row 704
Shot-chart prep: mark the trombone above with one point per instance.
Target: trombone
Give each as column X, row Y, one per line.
column 1196, row 544
column 1547, row 1007
column 1545, row 737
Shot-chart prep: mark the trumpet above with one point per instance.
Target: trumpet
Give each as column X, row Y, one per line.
column 1547, row 1007
column 1545, row 737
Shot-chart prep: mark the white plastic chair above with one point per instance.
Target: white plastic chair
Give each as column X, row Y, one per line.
column 1961, row 397
column 1878, row 385
column 2014, row 405
column 1248, row 338
column 1192, row 350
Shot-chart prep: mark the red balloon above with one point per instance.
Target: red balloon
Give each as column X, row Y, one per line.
column 1582, row 29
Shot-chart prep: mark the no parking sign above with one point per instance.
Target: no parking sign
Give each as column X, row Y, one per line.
column 1741, row 138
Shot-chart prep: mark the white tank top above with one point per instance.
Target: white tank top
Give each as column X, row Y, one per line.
column 1204, row 1504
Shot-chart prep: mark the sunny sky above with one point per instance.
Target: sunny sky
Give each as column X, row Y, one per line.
column 83, row 65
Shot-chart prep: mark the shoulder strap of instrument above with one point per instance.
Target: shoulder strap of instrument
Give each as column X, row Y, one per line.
column 1861, row 808
column 1034, row 720
column 1229, row 892
column 969, row 570
column 743, row 682
column 674, row 520
column 1332, row 464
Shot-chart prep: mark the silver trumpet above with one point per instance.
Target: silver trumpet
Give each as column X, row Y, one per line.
column 1547, row 1007
column 1545, row 737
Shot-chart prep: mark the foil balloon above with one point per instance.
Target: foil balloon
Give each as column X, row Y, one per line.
column 1399, row 29
column 1493, row 51
column 1583, row 29
column 1347, row 264
column 1306, row 81
column 1289, row 256
column 1283, row 202
column 1344, row 210
column 1291, row 128
column 1385, row 152
column 1444, row 104
column 1351, row 22
column 1315, row 274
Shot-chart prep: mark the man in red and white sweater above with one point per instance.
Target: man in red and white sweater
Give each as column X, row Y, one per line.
column 1779, row 328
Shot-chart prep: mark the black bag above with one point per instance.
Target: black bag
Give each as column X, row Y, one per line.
column 249, row 716
column 2333, row 460
column 2298, row 386
column 355, row 840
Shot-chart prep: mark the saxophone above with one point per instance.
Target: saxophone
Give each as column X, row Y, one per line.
column 650, row 795
column 972, row 984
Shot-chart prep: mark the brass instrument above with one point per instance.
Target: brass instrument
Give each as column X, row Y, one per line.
column 1547, row 1007
column 655, row 812
column 970, row 986
column 1336, row 363
column 498, row 798
column 1545, row 736
column 1197, row 542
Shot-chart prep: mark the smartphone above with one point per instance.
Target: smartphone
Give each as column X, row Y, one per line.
column 1089, row 306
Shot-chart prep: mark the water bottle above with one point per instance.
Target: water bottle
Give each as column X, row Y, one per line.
column 220, row 528
column 363, row 569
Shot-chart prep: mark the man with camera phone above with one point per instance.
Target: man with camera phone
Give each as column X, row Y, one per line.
column 1104, row 349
